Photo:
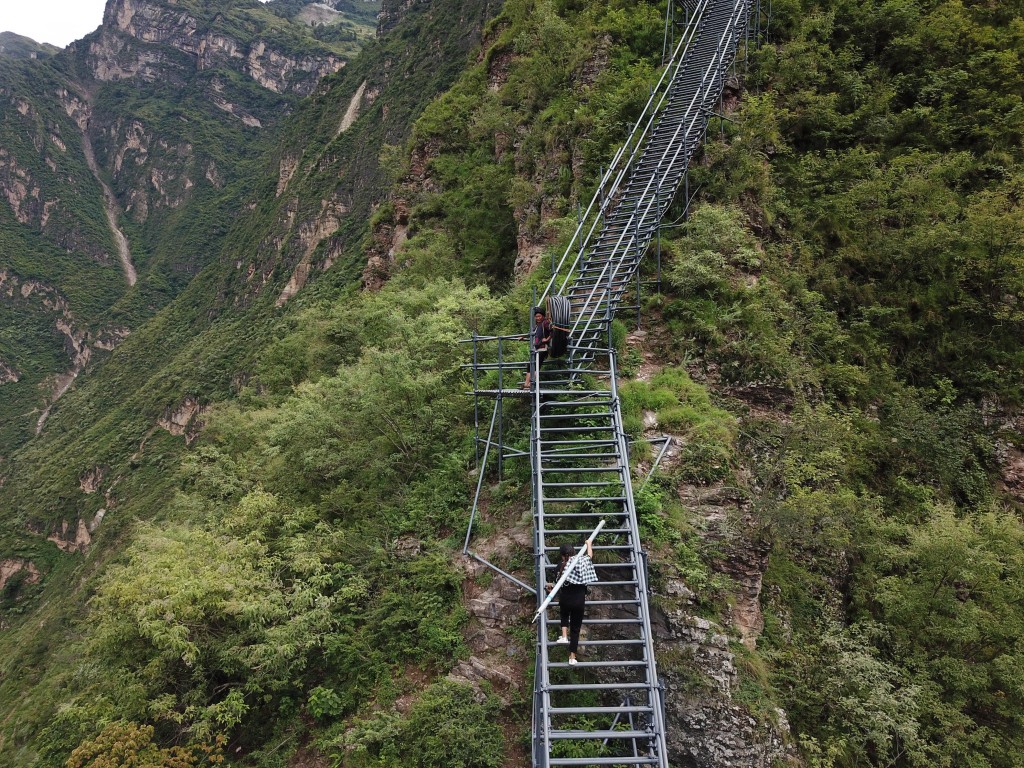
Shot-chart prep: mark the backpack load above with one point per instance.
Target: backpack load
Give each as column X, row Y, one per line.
column 559, row 310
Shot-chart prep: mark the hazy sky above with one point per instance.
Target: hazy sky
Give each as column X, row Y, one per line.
column 51, row 21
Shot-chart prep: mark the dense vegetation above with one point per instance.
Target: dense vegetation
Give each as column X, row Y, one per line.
column 865, row 255
column 841, row 347
column 17, row 46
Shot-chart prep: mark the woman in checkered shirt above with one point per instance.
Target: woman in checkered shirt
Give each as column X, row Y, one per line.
column 572, row 599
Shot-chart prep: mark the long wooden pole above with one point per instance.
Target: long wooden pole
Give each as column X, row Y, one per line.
column 566, row 572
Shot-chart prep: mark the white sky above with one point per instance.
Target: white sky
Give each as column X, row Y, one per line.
column 57, row 22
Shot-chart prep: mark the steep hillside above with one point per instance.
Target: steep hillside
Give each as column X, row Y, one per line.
column 237, row 539
column 16, row 46
column 110, row 451
column 116, row 155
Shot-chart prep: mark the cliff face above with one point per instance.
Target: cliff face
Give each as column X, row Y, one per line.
column 393, row 11
column 139, row 40
column 109, row 146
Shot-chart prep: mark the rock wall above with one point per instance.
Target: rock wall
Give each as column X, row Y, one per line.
column 79, row 344
column 138, row 40
column 706, row 727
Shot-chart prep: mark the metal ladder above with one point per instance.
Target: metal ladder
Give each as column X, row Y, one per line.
column 579, row 449
column 638, row 189
column 608, row 709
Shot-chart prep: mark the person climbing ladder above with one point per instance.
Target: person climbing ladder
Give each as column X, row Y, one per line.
column 572, row 599
column 541, row 339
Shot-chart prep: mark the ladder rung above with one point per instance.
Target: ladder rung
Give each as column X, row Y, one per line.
column 590, row 735
column 613, row 621
column 583, row 484
column 618, row 761
column 564, row 531
column 567, row 416
column 576, row 429
column 570, row 470
column 567, row 455
column 598, row 710
column 578, row 403
column 584, row 514
column 581, row 442
column 581, row 499
column 599, row 686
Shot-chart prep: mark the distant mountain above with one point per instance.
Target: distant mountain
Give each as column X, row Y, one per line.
column 17, row 46
column 110, row 147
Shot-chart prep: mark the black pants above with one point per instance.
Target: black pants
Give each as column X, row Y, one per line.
column 572, row 600
column 540, row 358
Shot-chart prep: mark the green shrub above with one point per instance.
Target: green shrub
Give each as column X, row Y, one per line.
column 448, row 726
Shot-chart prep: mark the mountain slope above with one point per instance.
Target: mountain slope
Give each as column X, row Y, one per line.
column 117, row 152
column 239, row 535
column 108, row 453
column 20, row 47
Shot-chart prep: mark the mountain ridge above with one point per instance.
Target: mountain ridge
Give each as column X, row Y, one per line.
column 238, row 534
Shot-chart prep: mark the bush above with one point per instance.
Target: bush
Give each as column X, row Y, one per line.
column 447, row 727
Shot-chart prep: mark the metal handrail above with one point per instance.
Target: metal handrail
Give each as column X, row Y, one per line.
column 638, row 555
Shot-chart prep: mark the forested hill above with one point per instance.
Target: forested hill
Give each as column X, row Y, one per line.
column 236, row 452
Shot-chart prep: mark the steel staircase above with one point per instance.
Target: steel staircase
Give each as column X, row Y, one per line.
column 608, row 708
column 638, row 189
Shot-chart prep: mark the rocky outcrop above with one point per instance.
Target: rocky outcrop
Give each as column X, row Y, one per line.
column 390, row 232
column 1008, row 427
column 310, row 235
column 72, row 538
column 139, row 40
column 15, row 567
column 279, row 72
column 352, row 111
column 19, row 189
column 386, row 240
column 186, row 419
column 151, row 172
column 729, row 530
column 79, row 344
column 91, row 479
column 7, row 373
column 112, row 210
column 286, row 170
column 392, row 11
column 498, row 658
column 706, row 728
